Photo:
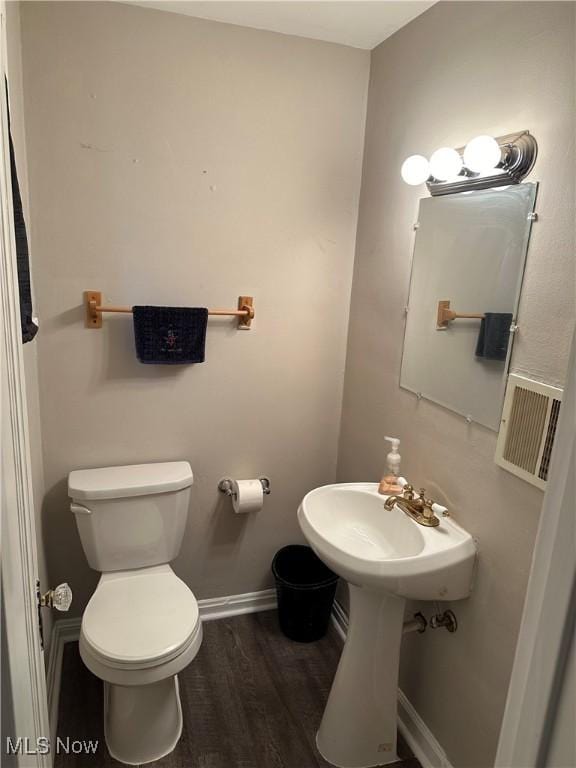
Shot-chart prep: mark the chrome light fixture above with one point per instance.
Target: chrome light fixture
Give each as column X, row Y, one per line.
column 485, row 162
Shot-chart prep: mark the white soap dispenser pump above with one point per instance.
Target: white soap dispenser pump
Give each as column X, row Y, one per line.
column 389, row 483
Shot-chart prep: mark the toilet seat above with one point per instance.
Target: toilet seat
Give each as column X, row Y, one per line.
column 140, row 619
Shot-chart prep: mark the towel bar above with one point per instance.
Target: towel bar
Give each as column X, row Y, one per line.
column 446, row 315
column 94, row 310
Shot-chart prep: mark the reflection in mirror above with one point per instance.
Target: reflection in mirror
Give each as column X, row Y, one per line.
column 466, row 277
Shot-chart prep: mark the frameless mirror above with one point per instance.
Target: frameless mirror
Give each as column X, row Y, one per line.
column 467, row 272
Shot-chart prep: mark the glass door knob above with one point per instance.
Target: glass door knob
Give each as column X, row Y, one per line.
column 60, row 598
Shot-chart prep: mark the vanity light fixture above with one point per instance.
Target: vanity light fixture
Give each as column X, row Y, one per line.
column 482, row 154
column 445, row 164
column 485, row 162
column 415, row 170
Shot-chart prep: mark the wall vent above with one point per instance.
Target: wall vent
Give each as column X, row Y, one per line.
column 528, row 428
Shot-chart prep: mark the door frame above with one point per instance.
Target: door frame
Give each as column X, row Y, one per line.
column 549, row 616
column 25, row 671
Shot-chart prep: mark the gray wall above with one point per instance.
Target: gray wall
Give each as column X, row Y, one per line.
column 179, row 161
column 459, row 70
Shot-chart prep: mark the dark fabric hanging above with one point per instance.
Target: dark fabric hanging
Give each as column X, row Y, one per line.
column 29, row 328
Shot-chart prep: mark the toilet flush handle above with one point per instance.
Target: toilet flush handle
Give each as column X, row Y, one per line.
column 78, row 509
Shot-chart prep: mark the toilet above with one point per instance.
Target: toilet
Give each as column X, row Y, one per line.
column 141, row 626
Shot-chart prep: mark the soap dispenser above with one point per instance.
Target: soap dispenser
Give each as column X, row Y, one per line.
column 389, row 483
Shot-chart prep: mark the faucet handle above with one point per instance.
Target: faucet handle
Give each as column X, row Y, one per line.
column 427, row 511
column 432, row 512
column 439, row 510
column 430, row 503
column 408, row 491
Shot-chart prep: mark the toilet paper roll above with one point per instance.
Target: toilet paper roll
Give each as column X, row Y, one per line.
column 247, row 496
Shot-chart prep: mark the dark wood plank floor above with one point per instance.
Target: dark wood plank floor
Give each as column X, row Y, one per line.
column 250, row 699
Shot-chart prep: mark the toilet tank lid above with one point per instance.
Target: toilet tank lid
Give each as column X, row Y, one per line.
column 133, row 480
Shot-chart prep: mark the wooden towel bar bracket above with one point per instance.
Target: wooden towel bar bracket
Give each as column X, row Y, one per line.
column 95, row 309
column 446, row 315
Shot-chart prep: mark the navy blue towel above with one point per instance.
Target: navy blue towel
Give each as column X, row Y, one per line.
column 29, row 327
column 170, row 335
column 494, row 336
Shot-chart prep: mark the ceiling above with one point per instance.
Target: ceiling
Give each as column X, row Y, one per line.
column 359, row 23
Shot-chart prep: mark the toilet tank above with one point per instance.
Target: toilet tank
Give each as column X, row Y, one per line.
column 131, row 517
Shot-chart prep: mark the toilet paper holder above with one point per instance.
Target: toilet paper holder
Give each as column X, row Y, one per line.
column 225, row 486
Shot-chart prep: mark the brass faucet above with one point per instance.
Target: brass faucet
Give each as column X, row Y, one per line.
column 419, row 508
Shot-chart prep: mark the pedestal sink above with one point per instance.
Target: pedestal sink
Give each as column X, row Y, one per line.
column 386, row 557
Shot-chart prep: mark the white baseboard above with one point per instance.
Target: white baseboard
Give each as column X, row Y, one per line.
column 68, row 630
column 418, row 736
column 340, row 620
column 63, row 631
column 234, row 605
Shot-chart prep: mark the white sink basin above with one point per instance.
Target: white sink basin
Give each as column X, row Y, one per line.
column 387, row 558
column 349, row 529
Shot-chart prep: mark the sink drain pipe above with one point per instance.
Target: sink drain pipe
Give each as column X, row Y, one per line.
column 420, row 623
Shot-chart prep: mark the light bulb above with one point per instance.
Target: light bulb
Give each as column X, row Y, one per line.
column 415, row 170
column 482, row 154
column 445, row 164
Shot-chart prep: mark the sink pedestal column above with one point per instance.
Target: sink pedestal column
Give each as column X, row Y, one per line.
column 358, row 728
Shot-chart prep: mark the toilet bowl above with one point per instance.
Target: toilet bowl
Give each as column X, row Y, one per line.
column 141, row 626
column 139, row 630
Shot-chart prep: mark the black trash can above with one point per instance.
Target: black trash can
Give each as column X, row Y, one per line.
column 305, row 589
